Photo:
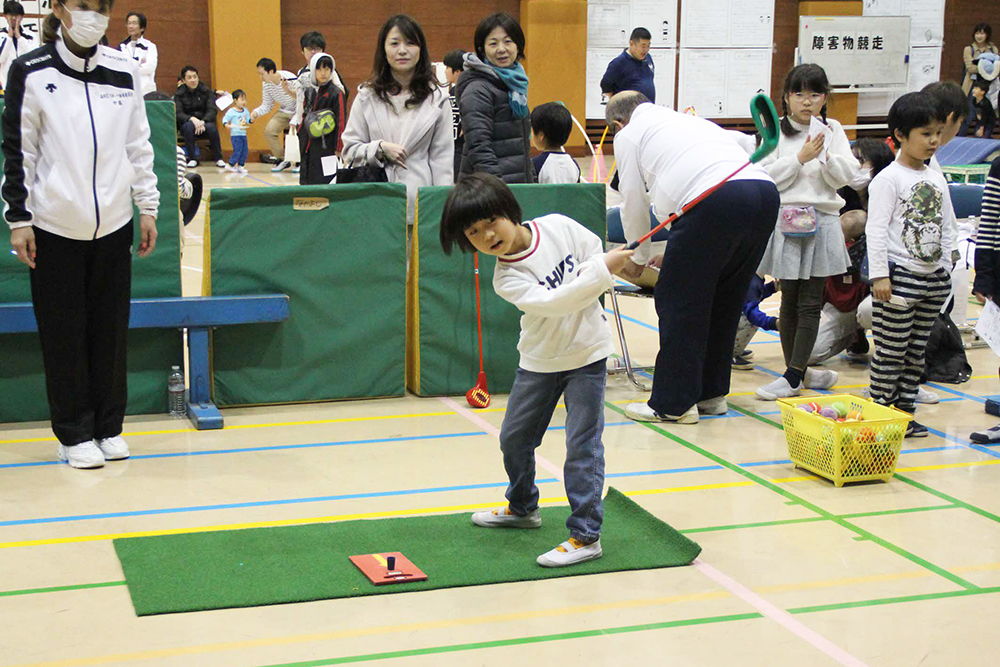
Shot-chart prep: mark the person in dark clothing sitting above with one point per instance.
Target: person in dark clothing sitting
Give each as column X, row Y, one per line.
column 196, row 116
column 983, row 116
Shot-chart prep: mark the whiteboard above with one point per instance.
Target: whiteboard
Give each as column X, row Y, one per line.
column 926, row 18
column 719, row 83
column 610, row 22
column 727, row 23
column 925, row 67
column 857, row 49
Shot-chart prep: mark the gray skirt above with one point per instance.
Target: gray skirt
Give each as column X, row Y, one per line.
column 799, row 258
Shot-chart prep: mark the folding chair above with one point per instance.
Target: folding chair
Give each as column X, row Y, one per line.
column 616, row 234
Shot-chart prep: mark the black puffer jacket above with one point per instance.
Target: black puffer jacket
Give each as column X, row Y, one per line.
column 495, row 141
column 199, row 103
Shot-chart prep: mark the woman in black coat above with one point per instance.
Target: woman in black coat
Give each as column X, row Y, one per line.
column 493, row 101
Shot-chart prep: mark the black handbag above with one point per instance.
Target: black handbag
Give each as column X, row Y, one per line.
column 365, row 174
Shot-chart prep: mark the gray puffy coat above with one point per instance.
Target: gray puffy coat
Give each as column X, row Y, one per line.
column 495, row 141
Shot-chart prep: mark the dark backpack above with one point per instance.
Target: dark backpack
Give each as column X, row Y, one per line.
column 945, row 359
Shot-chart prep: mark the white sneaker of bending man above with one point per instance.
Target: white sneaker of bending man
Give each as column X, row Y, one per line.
column 114, row 448
column 84, row 455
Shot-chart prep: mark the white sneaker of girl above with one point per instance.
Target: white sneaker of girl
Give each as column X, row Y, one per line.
column 504, row 518
column 570, row 552
column 819, row 378
column 114, row 448
column 777, row 389
column 84, row 455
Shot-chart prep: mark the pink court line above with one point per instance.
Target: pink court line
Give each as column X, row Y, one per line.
column 780, row 616
column 540, row 460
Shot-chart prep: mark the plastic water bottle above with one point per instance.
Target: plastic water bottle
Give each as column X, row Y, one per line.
column 175, row 393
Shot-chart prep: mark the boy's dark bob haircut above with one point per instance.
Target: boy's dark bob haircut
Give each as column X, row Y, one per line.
column 948, row 99
column 312, row 40
column 455, row 59
column 982, row 85
column 639, row 34
column 238, row 93
column 267, row 64
column 326, row 62
column 552, row 120
column 475, row 197
column 909, row 112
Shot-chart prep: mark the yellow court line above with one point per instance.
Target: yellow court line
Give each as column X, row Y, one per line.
column 431, row 510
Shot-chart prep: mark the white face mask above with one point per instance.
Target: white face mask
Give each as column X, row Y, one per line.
column 862, row 178
column 88, row 27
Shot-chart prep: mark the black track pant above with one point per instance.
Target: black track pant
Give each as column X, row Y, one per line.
column 81, row 292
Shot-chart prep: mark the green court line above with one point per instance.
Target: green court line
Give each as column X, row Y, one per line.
column 944, row 496
column 56, row 589
column 868, row 535
column 756, row 416
column 707, row 620
column 519, row 641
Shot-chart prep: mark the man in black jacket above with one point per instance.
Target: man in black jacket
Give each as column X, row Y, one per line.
column 196, row 116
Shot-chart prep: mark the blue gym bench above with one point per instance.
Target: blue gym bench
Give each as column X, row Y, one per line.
column 197, row 315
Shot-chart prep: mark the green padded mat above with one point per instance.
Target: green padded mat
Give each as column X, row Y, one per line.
column 344, row 268
column 151, row 352
column 444, row 354
column 258, row 566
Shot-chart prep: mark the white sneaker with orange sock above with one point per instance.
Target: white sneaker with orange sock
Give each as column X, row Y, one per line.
column 504, row 518
column 571, row 552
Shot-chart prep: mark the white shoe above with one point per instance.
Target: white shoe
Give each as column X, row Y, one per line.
column 570, row 552
column 296, row 169
column 926, row 396
column 643, row 413
column 777, row 389
column 502, row 518
column 714, row 406
column 242, row 170
column 114, row 448
column 192, row 163
column 230, row 167
column 281, row 166
column 816, row 378
column 83, row 455
column 220, row 163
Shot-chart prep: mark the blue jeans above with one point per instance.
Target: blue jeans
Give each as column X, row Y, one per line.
column 240, row 151
column 533, row 398
column 190, row 139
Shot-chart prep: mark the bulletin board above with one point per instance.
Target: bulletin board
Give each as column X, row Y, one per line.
column 859, row 50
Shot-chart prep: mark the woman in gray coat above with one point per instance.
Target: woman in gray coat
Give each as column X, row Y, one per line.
column 492, row 97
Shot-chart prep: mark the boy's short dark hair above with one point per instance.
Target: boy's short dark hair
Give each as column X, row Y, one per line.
column 455, row 60
column 186, row 69
column 982, row 85
column 238, row 93
column 12, row 8
column 909, row 112
column 948, row 99
column 554, row 121
column 498, row 20
column 475, row 197
column 875, row 151
column 639, row 33
column 312, row 40
column 267, row 64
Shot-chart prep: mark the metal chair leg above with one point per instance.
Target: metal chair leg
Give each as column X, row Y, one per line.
column 629, row 371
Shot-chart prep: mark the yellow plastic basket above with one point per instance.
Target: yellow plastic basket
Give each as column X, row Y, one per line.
column 844, row 451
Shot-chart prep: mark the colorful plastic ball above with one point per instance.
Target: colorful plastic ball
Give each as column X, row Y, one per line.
column 841, row 409
column 805, row 407
column 829, row 413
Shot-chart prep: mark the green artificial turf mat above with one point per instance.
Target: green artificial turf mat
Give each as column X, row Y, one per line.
column 258, row 566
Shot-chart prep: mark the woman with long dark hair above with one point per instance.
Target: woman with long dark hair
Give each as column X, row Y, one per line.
column 492, row 97
column 76, row 144
column 401, row 117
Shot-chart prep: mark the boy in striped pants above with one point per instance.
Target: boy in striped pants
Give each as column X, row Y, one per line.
column 911, row 235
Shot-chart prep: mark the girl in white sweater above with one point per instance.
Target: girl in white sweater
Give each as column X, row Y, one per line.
column 401, row 118
column 812, row 162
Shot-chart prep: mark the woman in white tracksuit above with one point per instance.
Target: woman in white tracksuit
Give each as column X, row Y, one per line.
column 77, row 150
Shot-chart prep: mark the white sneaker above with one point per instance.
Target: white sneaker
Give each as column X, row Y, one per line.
column 281, row 166
column 502, row 518
column 570, row 552
column 192, row 164
column 220, row 163
column 777, row 389
column 296, row 169
column 641, row 412
column 114, row 448
column 714, row 406
column 83, row 455
column 242, row 169
column 927, row 396
column 819, row 378
column 230, row 167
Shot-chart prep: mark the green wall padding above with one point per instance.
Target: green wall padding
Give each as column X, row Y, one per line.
column 448, row 342
column 344, row 269
column 151, row 352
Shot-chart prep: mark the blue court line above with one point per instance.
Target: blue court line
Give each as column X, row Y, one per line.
column 384, row 494
column 956, row 392
column 967, row 443
column 634, row 321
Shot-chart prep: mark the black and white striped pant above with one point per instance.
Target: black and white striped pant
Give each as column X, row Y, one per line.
column 901, row 333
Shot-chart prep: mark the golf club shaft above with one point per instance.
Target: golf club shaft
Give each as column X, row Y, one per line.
column 697, row 200
column 479, row 317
